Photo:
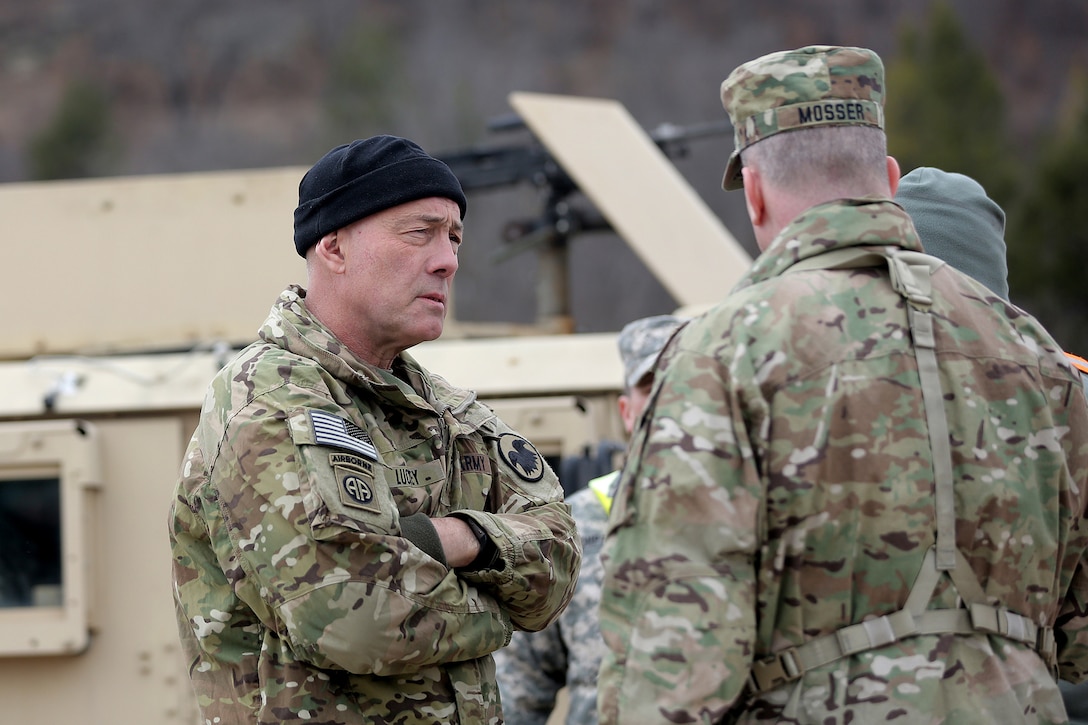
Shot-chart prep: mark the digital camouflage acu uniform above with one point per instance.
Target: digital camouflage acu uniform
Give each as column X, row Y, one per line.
column 537, row 665
column 298, row 597
column 781, row 487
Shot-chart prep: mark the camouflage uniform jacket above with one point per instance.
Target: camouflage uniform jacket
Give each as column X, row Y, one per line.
column 536, row 665
column 780, row 487
column 298, row 598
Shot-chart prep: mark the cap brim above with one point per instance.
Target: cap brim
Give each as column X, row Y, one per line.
column 640, row 372
column 733, row 179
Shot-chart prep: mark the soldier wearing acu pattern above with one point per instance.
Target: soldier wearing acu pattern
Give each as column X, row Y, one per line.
column 857, row 493
column 353, row 536
column 536, row 665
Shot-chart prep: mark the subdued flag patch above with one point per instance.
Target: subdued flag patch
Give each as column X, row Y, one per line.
column 332, row 430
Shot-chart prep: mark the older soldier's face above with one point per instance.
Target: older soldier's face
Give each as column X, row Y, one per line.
column 400, row 263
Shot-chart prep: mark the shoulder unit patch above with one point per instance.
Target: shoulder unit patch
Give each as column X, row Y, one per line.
column 356, row 488
column 521, row 456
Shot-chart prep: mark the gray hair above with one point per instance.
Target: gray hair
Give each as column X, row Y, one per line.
column 826, row 162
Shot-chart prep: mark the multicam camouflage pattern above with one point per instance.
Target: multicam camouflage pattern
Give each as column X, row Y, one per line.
column 818, row 85
column 536, row 665
column 640, row 343
column 298, row 599
column 780, row 487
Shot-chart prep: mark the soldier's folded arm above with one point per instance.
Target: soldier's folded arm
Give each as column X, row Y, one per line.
column 368, row 592
column 343, row 592
column 537, row 565
column 538, row 550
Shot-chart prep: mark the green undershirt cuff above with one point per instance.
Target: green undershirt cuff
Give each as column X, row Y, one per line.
column 418, row 529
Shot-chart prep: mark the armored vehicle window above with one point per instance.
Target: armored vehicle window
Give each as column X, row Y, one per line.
column 30, row 542
column 49, row 475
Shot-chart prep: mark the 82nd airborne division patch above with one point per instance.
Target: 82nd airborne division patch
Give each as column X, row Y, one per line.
column 355, row 481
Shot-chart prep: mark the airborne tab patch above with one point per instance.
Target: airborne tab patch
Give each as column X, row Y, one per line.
column 346, row 459
column 520, row 455
column 332, row 430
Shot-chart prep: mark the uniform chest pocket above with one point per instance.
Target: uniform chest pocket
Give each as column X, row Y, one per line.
column 346, row 481
column 418, row 486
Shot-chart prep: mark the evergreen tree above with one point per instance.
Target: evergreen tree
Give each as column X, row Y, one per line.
column 363, row 90
column 77, row 143
column 945, row 108
column 1048, row 233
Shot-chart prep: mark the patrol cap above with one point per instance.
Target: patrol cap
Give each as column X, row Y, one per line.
column 641, row 342
column 818, row 85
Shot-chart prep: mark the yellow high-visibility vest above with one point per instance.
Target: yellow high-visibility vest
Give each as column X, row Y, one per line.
column 602, row 486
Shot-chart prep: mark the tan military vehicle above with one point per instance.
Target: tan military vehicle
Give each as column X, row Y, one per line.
column 101, row 390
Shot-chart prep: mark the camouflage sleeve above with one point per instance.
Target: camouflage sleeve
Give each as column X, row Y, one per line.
column 678, row 601
column 535, row 533
column 1072, row 622
column 343, row 591
column 531, row 670
column 1071, row 627
column 536, row 665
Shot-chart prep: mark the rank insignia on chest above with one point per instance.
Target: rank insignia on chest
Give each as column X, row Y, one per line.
column 356, row 488
column 332, row 430
column 521, row 456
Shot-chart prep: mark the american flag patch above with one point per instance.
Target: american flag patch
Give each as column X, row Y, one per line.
column 332, row 430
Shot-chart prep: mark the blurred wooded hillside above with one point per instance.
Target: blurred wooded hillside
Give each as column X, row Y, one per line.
column 992, row 88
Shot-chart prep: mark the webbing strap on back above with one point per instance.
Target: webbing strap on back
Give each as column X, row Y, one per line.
column 910, row 276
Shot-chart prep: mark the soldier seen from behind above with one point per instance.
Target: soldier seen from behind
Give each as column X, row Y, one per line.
column 353, row 536
column 857, row 493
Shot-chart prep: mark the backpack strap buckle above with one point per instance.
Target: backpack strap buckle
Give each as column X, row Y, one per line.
column 775, row 671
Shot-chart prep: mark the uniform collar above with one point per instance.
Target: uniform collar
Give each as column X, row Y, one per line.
column 867, row 222
column 291, row 326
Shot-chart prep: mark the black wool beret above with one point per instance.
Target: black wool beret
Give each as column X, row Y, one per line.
column 364, row 177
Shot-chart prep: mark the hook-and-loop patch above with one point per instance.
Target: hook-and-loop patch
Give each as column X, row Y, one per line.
column 521, row 456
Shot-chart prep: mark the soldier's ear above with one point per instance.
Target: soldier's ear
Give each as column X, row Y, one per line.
column 627, row 410
column 893, row 175
column 753, row 195
column 330, row 253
